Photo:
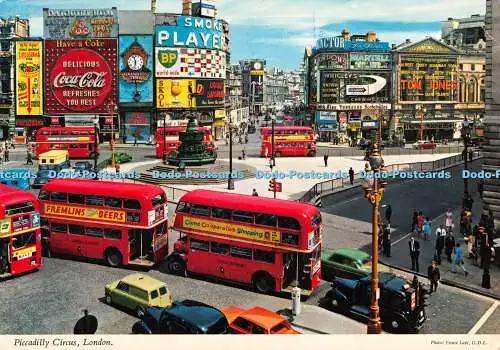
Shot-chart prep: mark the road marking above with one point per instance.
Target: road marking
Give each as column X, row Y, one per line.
column 484, row 318
column 400, row 239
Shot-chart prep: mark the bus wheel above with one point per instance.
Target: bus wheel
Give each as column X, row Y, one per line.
column 176, row 266
column 263, row 282
column 113, row 258
column 277, row 154
column 312, row 154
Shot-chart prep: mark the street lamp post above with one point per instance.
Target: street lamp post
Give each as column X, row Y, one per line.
column 374, row 192
column 272, row 161
column 164, row 137
column 466, row 134
column 112, row 109
column 96, row 136
column 230, row 181
column 422, row 115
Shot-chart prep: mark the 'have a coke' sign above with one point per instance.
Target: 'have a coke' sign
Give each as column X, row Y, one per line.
column 81, row 79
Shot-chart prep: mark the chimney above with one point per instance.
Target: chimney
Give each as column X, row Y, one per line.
column 371, row 36
column 153, row 7
column 345, row 33
column 187, row 7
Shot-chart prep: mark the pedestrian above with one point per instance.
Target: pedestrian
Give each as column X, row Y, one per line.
column 471, row 155
column 469, row 239
column 427, row 229
column 254, row 193
column 449, row 243
column 491, row 221
column 459, row 260
column 29, row 159
column 449, row 220
column 388, row 214
column 351, row 175
column 135, row 141
column 420, row 223
column 414, row 246
column 6, row 154
column 464, row 219
column 440, row 236
column 325, row 159
column 386, row 239
column 434, row 276
column 414, row 220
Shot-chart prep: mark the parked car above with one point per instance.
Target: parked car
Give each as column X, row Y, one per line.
column 256, row 320
column 425, row 145
column 137, row 292
column 185, row 317
column 82, row 166
column 401, row 303
column 121, row 158
column 346, row 263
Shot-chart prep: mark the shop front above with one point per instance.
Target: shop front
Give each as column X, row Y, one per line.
column 26, row 128
column 327, row 126
column 219, row 124
column 137, row 127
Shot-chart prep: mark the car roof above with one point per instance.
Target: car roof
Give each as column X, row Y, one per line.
column 263, row 317
column 143, row 281
column 352, row 253
column 199, row 314
column 390, row 281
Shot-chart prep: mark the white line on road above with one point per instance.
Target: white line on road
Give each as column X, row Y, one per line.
column 484, row 318
column 400, row 239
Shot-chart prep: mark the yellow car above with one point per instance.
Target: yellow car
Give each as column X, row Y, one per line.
column 137, row 292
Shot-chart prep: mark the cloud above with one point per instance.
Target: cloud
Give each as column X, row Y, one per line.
column 36, row 26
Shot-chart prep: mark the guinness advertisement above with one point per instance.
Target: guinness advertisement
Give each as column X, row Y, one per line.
column 428, row 79
column 80, row 76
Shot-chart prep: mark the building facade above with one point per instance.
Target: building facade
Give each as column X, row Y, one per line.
column 464, row 33
column 11, row 29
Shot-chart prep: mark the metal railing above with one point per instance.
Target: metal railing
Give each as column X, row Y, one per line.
column 329, row 186
column 391, row 151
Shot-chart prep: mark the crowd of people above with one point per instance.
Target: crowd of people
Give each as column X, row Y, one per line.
column 5, row 147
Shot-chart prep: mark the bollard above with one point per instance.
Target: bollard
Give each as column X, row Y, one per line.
column 296, row 301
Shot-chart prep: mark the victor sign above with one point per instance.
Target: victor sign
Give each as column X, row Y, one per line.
column 81, row 79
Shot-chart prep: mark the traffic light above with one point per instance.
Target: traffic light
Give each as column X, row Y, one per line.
column 272, row 185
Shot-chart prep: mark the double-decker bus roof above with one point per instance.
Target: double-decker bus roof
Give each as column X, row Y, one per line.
column 11, row 195
column 287, row 128
column 249, row 203
column 103, row 188
column 180, row 128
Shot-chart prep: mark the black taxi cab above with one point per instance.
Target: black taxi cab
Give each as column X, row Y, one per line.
column 401, row 302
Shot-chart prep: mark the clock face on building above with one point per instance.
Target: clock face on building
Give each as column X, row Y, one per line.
column 257, row 66
column 135, row 62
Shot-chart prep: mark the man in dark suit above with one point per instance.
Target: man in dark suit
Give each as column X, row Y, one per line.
column 414, row 246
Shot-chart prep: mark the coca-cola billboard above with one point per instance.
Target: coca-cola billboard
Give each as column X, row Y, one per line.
column 80, row 76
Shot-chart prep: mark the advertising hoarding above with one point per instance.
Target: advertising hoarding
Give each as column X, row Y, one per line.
column 173, row 93
column 323, row 117
column 80, row 23
column 340, row 44
column 174, row 62
column 427, row 79
column 209, row 93
column 136, row 68
column 363, row 61
column 80, row 76
column 335, row 61
column 29, row 88
column 370, row 87
column 137, row 127
column 329, row 87
column 193, row 32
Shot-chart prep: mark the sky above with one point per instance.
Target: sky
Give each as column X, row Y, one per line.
column 279, row 30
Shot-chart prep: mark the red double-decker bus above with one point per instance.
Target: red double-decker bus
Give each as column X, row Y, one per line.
column 20, row 240
column 79, row 141
column 295, row 141
column 122, row 223
column 172, row 142
column 271, row 244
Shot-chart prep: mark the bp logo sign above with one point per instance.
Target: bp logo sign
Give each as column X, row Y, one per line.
column 168, row 58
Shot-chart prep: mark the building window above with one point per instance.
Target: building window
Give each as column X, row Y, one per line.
column 472, row 67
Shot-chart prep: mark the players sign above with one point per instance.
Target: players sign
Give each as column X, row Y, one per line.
column 29, row 87
column 190, row 63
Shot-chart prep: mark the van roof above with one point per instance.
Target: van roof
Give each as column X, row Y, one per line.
column 54, row 153
column 143, row 281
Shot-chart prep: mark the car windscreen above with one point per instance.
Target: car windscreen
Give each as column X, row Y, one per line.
column 219, row 327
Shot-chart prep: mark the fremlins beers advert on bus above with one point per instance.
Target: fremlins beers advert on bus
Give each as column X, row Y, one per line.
column 82, row 212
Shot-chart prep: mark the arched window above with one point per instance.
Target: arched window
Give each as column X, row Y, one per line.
column 461, row 89
column 471, row 91
column 482, row 91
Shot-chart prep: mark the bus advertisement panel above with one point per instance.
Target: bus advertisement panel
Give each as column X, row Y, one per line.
column 268, row 243
column 295, row 141
column 121, row 223
column 20, row 240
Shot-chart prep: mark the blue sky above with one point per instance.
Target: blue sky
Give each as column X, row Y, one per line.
column 279, row 30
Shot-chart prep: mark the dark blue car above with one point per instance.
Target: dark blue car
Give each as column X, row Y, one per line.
column 185, row 317
column 401, row 303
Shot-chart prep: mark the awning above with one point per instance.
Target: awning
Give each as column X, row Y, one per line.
column 433, row 121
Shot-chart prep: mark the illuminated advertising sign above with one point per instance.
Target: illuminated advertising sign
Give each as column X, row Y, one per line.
column 137, row 127
column 136, row 68
column 326, row 117
column 80, row 76
column 193, row 32
column 362, row 61
column 174, row 62
column 173, row 93
column 368, row 87
column 80, row 23
column 329, row 88
column 83, row 212
column 428, row 79
column 29, row 89
column 227, row 229
column 332, row 61
column 210, row 93
column 257, row 88
column 340, row 44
